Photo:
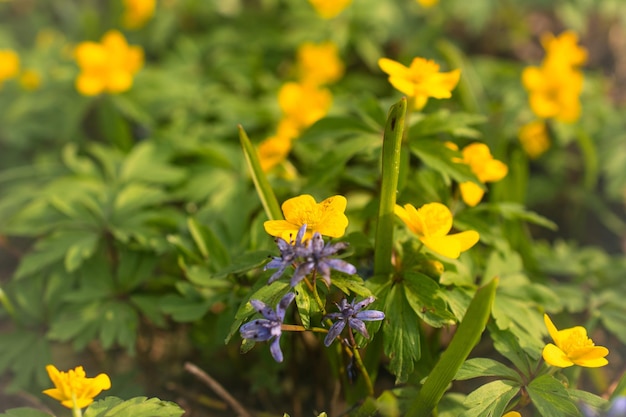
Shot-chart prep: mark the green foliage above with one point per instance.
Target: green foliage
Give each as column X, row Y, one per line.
column 138, row 406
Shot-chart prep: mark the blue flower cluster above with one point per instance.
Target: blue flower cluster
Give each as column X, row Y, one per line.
column 307, row 257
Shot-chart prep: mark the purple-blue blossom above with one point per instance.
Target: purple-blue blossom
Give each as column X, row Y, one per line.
column 261, row 330
column 354, row 316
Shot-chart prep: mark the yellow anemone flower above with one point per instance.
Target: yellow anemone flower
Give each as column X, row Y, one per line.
column 137, row 12
column 512, row 414
column 427, row 3
column 319, row 64
column 563, row 49
column 572, row 347
column 108, row 66
column 420, row 80
column 534, row 138
column 327, row 9
column 327, row 218
column 432, row 223
column 73, row 389
column 9, row 64
column 304, row 104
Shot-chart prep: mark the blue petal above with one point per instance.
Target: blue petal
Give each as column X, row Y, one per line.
column 359, row 326
column 283, row 304
column 369, row 315
column 340, row 265
column 301, row 271
column 264, row 309
column 277, row 354
column 258, row 330
column 334, row 331
column 362, row 304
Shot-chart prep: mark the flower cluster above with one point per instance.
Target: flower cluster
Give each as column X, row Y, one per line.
column 10, row 68
column 554, row 88
column 483, row 165
column 108, row 66
column 137, row 12
column 353, row 315
column 432, row 223
column 302, row 102
column 421, row 80
column 73, row 389
column 327, row 9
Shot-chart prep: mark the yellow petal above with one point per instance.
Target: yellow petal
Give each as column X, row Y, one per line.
column 447, row 246
column 442, row 84
column 552, row 330
column 90, row 55
column 471, row 193
column 466, row 239
column 393, row 68
column 436, row 219
column 593, row 358
column 403, row 85
column 332, row 221
column 282, row 229
column 512, row 414
column 555, row 356
column 494, row 170
column 299, row 210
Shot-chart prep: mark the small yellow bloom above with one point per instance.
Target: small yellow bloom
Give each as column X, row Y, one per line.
column 572, row 347
column 554, row 91
column 327, row 9
column 73, row 389
column 482, row 164
column 9, row 64
column 534, row 138
column 512, row 414
column 108, row 66
column 421, row 80
column 30, row 80
column 432, row 223
column 427, row 3
column 327, row 218
column 563, row 50
column 273, row 151
column 304, row 104
column 319, row 64
column 137, row 12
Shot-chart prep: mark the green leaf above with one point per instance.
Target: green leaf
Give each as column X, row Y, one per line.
column 550, row 397
column 135, row 407
column 208, row 243
column 515, row 211
column 350, row 284
column 24, row 412
column 466, row 337
column 303, row 303
column 147, row 163
column 423, row 295
column 262, row 185
column 507, row 344
column 479, row 367
column 83, row 249
column 439, row 157
column 588, row 398
column 244, row 263
column 491, row 399
column 444, row 121
column 401, row 334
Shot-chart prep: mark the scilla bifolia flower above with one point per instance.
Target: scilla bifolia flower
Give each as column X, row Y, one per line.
column 73, row 389
column 308, row 256
column 353, row 315
column 572, row 347
column 261, row 330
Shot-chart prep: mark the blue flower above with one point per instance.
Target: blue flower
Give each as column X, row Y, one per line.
column 352, row 315
column 261, row 330
column 617, row 409
column 309, row 256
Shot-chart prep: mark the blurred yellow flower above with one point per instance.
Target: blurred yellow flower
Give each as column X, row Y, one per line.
column 108, row 66
column 420, row 80
column 319, row 64
column 563, row 50
column 432, row 223
column 482, row 164
column 534, row 138
column 303, row 104
column 512, row 414
column 327, row 218
column 554, row 91
column 137, row 12
column 9, row 64
column 572, row 347
column 73, row 389
column 273, row 151
column 427, row 3
column 327, row 9
column 30, row 80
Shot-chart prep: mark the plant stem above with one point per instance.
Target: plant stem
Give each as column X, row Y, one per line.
column 7, row 303
column 392, row 143
column 359, row 362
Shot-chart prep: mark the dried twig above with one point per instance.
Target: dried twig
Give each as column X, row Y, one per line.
column 218, row 389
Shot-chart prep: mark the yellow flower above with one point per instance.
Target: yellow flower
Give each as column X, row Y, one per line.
column 554, row 91
column 482, row 164
column 327, row 9
column 572, row 347
column 427, row 3
column 319, row 63
column 421, row 80
column 327, row 218
column 273, row 151
column 534, row 138
column 432, row 223
column 30, row 80
column 137, row 12
column 73, row 389
column 108, row 66
column 9, row 64
column 304, row 104
column 563, row 50
column 512, row 414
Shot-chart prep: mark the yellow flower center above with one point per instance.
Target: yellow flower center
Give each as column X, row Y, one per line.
column 576, row 340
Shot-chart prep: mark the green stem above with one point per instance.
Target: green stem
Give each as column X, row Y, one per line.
column 392, row 142
column 76, row 411
column 7, row 303
column 366, row 376
column 298, row 328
